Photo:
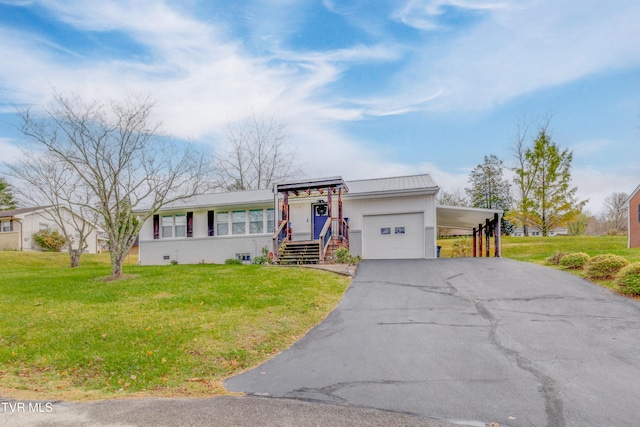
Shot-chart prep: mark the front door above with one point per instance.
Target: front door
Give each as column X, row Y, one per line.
column 320, row 213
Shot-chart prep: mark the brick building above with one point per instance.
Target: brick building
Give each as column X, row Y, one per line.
column 634, row 218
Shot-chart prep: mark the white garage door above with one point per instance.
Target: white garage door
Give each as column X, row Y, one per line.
column 393, row 236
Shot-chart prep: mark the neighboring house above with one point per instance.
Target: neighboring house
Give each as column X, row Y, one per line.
column 633, row 203
column 17, row 227
column 534, row 231
column 305, row 221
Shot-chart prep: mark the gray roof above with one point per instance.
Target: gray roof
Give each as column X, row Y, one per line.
column 231, row 198
column 19, row 211
column 397, row 184
column 365, row 187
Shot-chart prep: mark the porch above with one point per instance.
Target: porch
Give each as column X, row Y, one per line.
column 327, row 229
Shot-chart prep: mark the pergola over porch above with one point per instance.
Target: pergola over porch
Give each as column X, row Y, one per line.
column 335, row 231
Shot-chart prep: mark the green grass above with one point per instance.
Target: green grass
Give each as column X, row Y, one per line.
column 171, row 330
column 537, row 249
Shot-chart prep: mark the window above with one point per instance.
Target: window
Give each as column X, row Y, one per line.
column 174, row 226
column 43, row 227
column 256, row 222
column 385, row 230
column 238, row 219
column 6, row 226
column 399, row 230
column 222, row 224
column 181, row 225
column 239, row 222
column 167, row 226
column 245, row 258
column 270, row 221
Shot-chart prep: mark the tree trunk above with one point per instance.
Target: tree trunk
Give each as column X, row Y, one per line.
column 116, row 265
column 74, row 257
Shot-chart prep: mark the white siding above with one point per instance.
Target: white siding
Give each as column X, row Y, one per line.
column 201, row 249
column 300, row 214
column 357, row 208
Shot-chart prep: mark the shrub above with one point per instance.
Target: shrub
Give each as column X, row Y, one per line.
column 341, row 255
column 259, row 260
column 575, row 261
column 629, row 279
column 232, row 261
column 51, row 241
column 556, row 258
column 605, row 266
column 462, row 247
column 174, row 262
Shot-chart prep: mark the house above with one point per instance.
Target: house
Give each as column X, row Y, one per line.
column 307, row 220
column 633, row 205
column 535, row 231
column 17, row 227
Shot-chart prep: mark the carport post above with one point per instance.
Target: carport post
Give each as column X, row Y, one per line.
column 496, row 233
column 487, row 230
column 480, row 240
column 475, row 244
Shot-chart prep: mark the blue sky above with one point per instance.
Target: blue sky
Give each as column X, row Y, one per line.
column 366, row 88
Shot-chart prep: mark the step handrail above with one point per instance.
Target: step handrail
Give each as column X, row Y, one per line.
column 324, row 238
column 278, row 240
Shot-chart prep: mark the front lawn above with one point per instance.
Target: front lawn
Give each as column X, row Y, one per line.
column 538, row 249
column 166, row 331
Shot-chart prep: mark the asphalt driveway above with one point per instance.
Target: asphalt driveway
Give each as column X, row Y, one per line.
column 469, row 341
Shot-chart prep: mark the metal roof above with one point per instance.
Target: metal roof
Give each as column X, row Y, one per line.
column 231, row 198
column 398, row 184
column 20, row 211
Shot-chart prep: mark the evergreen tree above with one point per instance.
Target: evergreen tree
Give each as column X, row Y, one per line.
column 488, row 188
column 6, row 196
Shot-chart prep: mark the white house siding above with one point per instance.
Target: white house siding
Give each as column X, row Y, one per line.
column 356, row 208
column 201, row 247
column 193, row 250
column 300, row 218
column 31, row 224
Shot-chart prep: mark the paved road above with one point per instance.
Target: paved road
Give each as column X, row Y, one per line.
column 215, row 411
column 470, row 341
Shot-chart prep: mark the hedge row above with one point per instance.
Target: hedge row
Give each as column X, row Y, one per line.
column 603, row 267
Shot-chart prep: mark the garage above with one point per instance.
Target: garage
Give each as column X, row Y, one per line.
column 393, row 236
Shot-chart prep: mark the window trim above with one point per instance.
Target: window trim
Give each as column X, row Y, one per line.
column 173, row 225
column 268, row 223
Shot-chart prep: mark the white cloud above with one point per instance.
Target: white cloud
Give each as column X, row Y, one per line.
column 524, row 47
column 596, row 185
column 424, row 14
column 590, row 147
column 10, row 152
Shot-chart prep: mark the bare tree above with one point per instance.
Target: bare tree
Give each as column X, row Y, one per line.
column 64, row 197
column 115, row 152
column 524, row 174
column 453, row 198
column 257, row 155
column 615, row 213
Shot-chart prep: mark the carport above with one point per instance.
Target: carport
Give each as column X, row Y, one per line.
column 482, row 223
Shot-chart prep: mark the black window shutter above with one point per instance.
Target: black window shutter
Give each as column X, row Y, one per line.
column 156, row 226
column 189, row 224
column 211, row 226
column 638, row 213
